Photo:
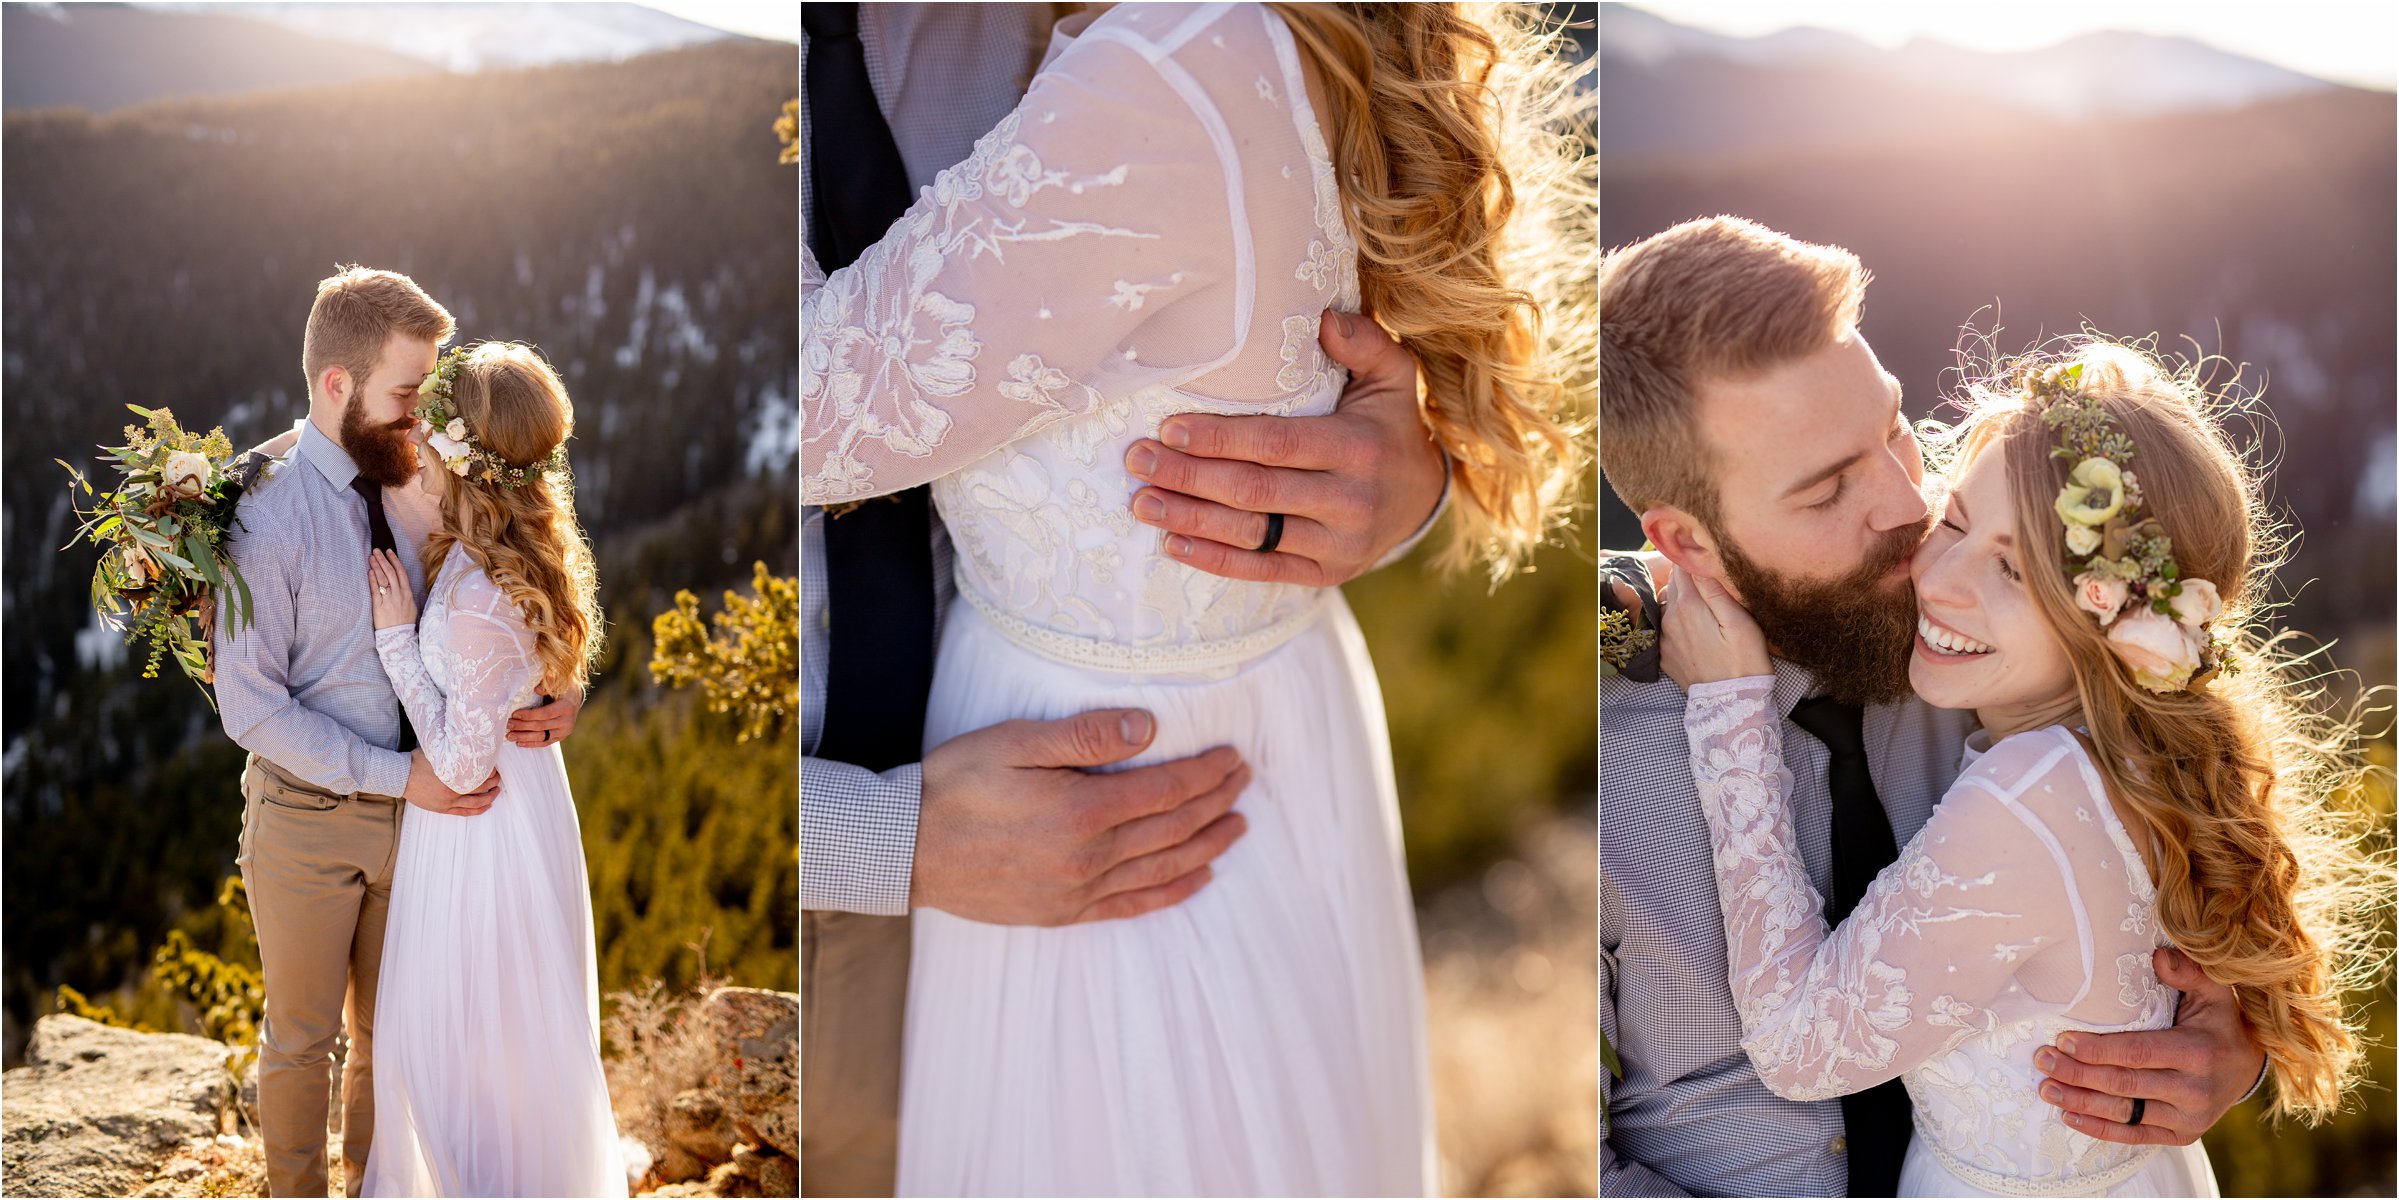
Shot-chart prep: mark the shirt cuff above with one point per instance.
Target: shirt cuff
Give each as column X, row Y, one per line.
column 1440, row 506
column 387, row 773
column 858, row 836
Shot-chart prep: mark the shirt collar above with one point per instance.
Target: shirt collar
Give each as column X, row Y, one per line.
column 327, row 455
column 1792, row 684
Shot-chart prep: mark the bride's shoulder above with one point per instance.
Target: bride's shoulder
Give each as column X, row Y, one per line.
column 2049, row 760
column 1172, row 29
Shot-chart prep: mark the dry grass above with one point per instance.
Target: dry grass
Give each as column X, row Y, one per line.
column 1512, row 979
column 658, row 1046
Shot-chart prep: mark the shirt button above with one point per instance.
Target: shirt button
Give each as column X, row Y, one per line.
column 1841, row 1145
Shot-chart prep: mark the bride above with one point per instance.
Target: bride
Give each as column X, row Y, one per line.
column 2146, row 773
column 1154, row 230
column 488, row 1046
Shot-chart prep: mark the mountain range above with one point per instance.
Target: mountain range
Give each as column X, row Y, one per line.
column 105, row 57
column 1674, row 90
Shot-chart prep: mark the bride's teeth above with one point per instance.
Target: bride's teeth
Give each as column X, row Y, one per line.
column 1947, row 641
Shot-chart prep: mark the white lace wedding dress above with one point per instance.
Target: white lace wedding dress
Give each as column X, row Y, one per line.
column 1154, row 230
column 2021, row 910
column 487, row 1029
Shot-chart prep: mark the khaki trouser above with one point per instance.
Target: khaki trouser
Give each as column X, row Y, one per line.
column 854, row 994
column 319, row 870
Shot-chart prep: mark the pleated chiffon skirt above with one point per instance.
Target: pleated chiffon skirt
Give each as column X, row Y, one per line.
column 1264, row 1038
column 487, row 1022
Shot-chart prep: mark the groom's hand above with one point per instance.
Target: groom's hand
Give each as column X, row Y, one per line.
column 1011, row 830
column 546, row 724
column 428, row 792
column 1350, row 485
column 2189, row 1076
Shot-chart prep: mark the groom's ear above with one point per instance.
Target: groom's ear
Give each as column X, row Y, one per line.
column 1684, row 540
column 335, row 382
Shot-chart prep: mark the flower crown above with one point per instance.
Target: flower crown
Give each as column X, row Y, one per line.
column 2127, row 577
column 456, row 444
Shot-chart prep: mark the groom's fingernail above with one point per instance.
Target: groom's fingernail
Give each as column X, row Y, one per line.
column 1149, row 507
column 1179, row 546
column 1175, row 434
column 2045, row 1058
column 1136, row 728
column 1141, row 460
column 2052, row 1093
column 1347, row 330
column 2066, row 1043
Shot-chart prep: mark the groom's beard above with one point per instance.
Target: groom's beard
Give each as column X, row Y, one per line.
column 1855, row 633
column 383, row 452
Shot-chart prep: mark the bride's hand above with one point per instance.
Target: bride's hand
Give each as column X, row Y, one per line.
column 394, row 604
column 1706, row 636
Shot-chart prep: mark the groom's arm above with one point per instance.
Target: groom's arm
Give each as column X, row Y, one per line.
column 2189, row 1075
column 1358, row 488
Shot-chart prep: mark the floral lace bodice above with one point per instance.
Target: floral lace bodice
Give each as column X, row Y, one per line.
column 1154, row 229
column 461, row 670
column 2019, row 911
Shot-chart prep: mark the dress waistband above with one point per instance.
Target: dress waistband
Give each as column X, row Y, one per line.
column 1221, row 656
column 2093, row 1184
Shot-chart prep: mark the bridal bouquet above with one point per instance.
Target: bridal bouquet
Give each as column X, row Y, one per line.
column 161, row 535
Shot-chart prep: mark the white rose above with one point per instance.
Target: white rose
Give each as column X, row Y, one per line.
column 2160, row 653
column 186, row 473
column 136, row 561
column 2102, row 596
column 2197, row 603
column 2082, row 539
column 456, row 429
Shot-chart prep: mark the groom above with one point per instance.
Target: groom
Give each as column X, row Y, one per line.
column 331, row 754
column 1748, row 423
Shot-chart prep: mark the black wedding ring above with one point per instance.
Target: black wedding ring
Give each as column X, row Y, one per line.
column 2137, row 1105
column 1274, row 533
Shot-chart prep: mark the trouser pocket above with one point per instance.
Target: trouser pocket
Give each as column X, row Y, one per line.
column 269, row 784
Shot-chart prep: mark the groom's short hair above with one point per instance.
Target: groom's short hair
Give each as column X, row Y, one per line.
column 357, row 310
column 1719, row 297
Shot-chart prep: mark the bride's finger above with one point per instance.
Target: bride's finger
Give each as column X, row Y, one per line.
column 1713, row 594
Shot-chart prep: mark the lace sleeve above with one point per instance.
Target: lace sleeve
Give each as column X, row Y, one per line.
column 488, row 652
column 1939, row 935
column 1011, row 293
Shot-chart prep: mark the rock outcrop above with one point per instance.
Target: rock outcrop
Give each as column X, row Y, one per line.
column 97, row 1110
column 757, row 1075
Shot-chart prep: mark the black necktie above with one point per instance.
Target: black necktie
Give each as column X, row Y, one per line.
column 379, row 537
column 1879, row 1119
column 878, row 555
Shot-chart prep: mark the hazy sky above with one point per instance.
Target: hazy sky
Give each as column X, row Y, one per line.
column 2353, row 42
column 779, row 19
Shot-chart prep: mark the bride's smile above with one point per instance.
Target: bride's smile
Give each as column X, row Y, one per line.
column 1981, row 641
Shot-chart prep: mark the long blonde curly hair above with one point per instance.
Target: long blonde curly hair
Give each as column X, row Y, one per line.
column 2267, row 875
column 1457, row 132
column 525, row 538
